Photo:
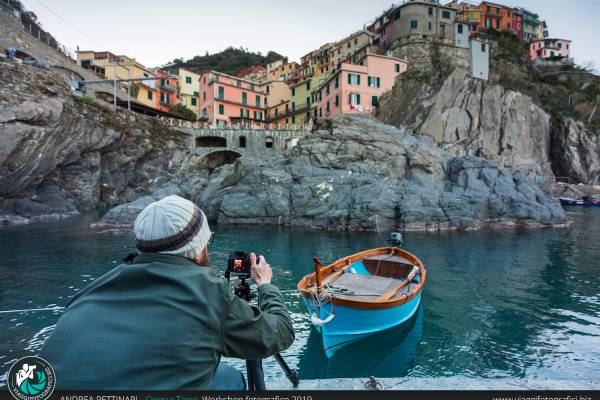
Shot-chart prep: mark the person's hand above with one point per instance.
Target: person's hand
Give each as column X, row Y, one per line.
column 261, row 273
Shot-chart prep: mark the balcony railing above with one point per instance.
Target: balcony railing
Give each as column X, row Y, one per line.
column 169, row 88
column 239, row 102
column 493, row 14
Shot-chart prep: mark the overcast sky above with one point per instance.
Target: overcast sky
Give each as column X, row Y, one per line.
column 155, row 32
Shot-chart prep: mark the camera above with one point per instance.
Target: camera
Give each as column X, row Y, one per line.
column 238, row 264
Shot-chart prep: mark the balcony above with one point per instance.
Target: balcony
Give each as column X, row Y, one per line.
column 168, row 88
column 238, row 102
column 493, row 14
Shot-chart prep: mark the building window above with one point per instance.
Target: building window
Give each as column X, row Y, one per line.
column 242, row 112
column 293, row 119
column 269, row 142
column 483, row 47
column 242, row 141
column 238, row 83
column 221, row 109
column 337, row 100
column 429, row 26
column 293, row 91
column 149, row 95
column 397, row 67
column 307, row 101
column 497, row 24
column 193, row 101
column 349, row 44
column 257, row 101
column 188, row 79
column 354, row 79
column 354, row 99
column 255, row 115
column 196, row 93
column 460, row 28
column 337, row 81
column 373, row 81
column 252, row 86
column 446, row 14
column 430, row 11
column 293, row 106
column 308, row 85
column 327, row 106
column 397, row 15
column 327, row 89
column 204, row 96
column 413, row 24
column 221, row 92
column 244, row 98
column 374, row 101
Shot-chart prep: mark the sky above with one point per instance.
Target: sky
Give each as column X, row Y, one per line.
column 156, row 31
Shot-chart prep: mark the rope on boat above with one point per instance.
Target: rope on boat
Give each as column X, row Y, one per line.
column 319, row 298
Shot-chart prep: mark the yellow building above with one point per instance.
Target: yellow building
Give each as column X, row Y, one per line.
column 189, row 90
column 111, row 66
column 280, row 71
column 278, row 102
column 301, row 101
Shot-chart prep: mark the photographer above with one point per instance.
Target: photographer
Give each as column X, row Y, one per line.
column 163, row 321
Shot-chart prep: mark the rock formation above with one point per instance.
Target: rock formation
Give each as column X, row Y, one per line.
column 61, row 154
column 364, row 173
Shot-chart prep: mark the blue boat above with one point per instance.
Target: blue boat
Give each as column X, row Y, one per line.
column 585, row 201
column 362, row 294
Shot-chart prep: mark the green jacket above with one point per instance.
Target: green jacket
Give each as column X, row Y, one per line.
column 161, row 323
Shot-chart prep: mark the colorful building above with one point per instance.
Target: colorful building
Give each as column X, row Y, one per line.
column 229, row 101
column 280, row 71
column 111, row 66
column 189, row 90
column 301, row 101
column 531, row 25
column 168, row 89
column 517, row 22
column 381, row 29
column 255, row 73
column 356, row 88
column 548, row 49
column 468, row 14
column 277, row 102
column 345, row 48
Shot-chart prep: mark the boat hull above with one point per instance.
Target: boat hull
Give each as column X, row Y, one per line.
column 579, row 202
column 352, row 324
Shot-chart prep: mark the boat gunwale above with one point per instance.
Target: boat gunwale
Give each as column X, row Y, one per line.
column 347, row 301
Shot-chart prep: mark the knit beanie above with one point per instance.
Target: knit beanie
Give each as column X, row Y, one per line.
column 172, row 225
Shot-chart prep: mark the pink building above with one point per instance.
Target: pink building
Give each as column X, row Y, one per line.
column 356, row 88
column 227, row 100
column 549, row 49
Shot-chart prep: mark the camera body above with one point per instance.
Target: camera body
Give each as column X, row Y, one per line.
column 238, row 264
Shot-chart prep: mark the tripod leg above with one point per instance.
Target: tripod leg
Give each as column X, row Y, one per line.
column 256, row 376
column 289, row 373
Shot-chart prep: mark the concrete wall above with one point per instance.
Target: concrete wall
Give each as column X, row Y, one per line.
column 13, row 34
column 255, row 140
column 480, row 59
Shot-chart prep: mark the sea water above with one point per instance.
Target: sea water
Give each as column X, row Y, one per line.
column 497, row 303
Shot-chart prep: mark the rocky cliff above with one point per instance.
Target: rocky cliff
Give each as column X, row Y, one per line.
column 523, row 118
column 61, row 154
column 361, row 174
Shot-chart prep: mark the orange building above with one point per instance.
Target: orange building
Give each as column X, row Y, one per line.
column 228, row 101
column 168, row 90
column 491, row 16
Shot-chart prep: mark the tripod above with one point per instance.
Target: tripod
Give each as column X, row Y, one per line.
column 254, row 368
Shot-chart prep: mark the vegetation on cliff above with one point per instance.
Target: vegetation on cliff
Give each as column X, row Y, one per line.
column 230, row 61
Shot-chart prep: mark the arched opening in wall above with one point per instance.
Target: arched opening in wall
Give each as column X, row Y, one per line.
column 211, row 141
column 219, row 158
column 242, row 141
column 269, row 142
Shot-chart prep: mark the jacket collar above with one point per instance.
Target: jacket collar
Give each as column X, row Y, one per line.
column 146, row 258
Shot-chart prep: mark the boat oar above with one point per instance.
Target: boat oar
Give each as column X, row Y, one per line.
column 392, row 293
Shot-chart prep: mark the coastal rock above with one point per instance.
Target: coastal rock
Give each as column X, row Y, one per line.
column 467, row 116
column 63, row 154
column 367, row 174
column 577, row 152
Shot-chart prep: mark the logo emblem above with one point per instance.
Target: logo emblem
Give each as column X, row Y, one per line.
column 31, row 378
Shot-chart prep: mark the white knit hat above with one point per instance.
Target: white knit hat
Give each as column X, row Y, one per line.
column 172, row 225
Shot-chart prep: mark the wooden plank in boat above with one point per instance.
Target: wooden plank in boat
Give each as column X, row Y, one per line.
column 366, row 285
column 386, row 257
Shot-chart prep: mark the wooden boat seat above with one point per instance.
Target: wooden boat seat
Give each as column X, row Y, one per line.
column 384, row 265
column 360, row 285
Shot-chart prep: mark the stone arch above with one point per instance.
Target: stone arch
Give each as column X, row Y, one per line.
column 218, row 158
column 211, row 141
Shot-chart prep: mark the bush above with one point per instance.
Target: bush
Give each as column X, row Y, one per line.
column 183, row 112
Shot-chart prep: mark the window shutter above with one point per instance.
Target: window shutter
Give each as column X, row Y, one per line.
column 350, row 78
column 368, row 81
column 378, row 82
column 358, row 79
column 358, row 99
